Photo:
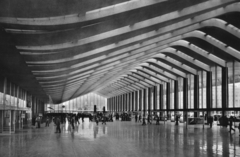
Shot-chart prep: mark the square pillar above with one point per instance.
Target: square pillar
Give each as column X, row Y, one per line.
column 176, row 95
column 129, row 102
column 140, row 100
column 196, row 94
column 133, row 96
column 149, row 99
column 136, row 100
column 209, row 92
column 168, row 96
column 224, row 89
column 154, row 98
column 185, row 93
column 144, row 102
column 161, row 97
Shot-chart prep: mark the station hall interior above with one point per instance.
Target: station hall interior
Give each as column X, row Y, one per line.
column 166, row 61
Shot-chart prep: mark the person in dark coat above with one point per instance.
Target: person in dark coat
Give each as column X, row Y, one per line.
column 72, row 122
column 239, row 128
column 58, row 129
column 96, row 119
column 139, row 118
column 47, row 121
column 38, row 122
column 230, row 124
column 136, row 117
column 149, row 119
column 76, row 119
column 177, row 118
column 157, row 120
column 33, row 121
column 210, row 121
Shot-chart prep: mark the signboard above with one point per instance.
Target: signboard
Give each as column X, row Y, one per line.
column 23, row 115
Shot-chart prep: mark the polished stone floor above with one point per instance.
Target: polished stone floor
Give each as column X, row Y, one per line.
column 122, row 139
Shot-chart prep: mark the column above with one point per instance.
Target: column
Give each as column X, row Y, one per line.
column 133, row 102
column 144, row 102
column 185, row 94
column 168, row 97
column 154, row 98
column 209, row 91
column 149, row 99
column 161, row 98
column 129, row 102
column 176, row 95
column 196, row 95
column 136, row 101
column 224, row 89
column 140, row 100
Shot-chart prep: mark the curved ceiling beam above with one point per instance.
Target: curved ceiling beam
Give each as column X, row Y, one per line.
column 153, row 76
column 140, row 80
column 194, row 21
column 134, row 83
column 117, row 86
column 164, row 68
column 63, row 77
column 183, row 67
column 127, row 85
column 160, row 75
column 108, row 78
column 149, row 75
column 199, row 51
column 227, row 26
column 201, row 35
column 116, row 89
column 144, row 77
column 77, row 18
column 186, row 58
column 86, row 63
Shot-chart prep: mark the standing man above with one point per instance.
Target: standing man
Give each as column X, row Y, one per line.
column 210, row 121
column 177, row 118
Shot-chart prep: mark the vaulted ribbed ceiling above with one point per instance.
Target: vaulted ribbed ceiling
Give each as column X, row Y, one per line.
column 64, row 49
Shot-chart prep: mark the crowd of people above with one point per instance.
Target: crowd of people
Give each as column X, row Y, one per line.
column 74, row 119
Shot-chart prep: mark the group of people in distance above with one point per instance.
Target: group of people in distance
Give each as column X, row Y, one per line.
column 224, row 121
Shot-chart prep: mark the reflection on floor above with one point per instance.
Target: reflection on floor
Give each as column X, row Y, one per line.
column 121, row 139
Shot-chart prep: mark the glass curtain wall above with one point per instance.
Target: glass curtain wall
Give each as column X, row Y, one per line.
column 82, row 103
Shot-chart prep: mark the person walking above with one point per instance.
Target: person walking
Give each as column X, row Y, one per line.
column 140, row 118
column 136, row 117
column 38, row 122
column 47, row 121
column 104, row 119
column 58, row 129
column 230, row 124
column 72, row 122
column 149, row 119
